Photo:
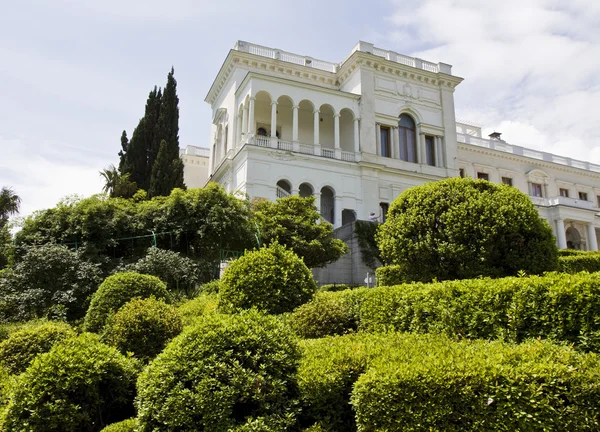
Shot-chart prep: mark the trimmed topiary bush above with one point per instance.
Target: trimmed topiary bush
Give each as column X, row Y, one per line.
column 118, row 289
column 129, row 425
column 575, row 263
column 459, row 228
column 429, row 382
column 192, row 310
column 80, row 385
column 143, row 327
column 220, row 374
column 211, row 287
column 329, row 313
column 390, row 275
column 21, row 347
column 272, row 279
column 337, row 287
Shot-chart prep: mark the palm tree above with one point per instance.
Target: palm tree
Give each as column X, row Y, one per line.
column 117, row 185
column 111, row 179
column 9, row 204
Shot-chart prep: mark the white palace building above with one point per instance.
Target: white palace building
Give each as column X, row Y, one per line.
column 355, row 134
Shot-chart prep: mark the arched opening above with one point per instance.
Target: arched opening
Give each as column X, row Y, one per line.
column 348, row 216
column 305, row 190
column 285, row 107
column 306, row 122
column 347, row 130
column 327, row 204
column 573, row 238
column 326, row 128
column 262, row 118
column 218, row 145
column 407, row 132
column 240, row 128
column 284, row 189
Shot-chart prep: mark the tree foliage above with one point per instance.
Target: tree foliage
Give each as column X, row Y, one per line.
column 295, row 223
column 10, row 204
column 117, row 184
column 461, row 228
column 50, row 280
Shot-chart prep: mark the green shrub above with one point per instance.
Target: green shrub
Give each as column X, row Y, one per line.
column 143, row 327
column 129, row 425
column 429, row 383
column 460, row 228
column 272, row 279
column 220, row 374
column 21, row 347
column 191, row 310
column 80, row 385
column 178, row 272
column 587, row 261
column 556, row 306
column 390, row 275
column 211, row 287
column 337, row 287
column 572, row 252
column 49, row 281
column 118, row 289
column 6, row 383
column 328, row 313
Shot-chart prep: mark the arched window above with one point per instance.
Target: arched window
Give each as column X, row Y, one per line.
column 407, row 138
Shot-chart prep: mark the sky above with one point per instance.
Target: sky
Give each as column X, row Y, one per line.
column 75, row 73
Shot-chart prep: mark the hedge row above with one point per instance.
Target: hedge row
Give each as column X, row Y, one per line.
column 575, row 263
column 557, row 306
column 428, row 382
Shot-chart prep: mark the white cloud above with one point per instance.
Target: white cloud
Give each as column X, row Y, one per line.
column 41, row 182
column 531, row 68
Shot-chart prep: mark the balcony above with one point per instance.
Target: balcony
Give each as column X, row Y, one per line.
column 303, row 148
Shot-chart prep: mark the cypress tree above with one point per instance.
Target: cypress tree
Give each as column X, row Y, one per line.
column 153, row 136
column 123, row 153
column 136, row 157
column 161, row 172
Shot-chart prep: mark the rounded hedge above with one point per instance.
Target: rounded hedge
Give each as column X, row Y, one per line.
column 272, row 279
column 80, row 385
column 118, row 289
column 461, row 228
column 129, row 425
column 196, row 308
column 21, row 347
column 219, row 375
column 143, row 327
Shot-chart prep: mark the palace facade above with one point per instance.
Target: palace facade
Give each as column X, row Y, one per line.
column 355, row 134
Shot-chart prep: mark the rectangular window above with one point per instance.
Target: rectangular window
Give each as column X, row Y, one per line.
column 564, row 192
column 583, row 196
column 429, row 150
column 385, row 142
column 536, row 190
column 461, row 172
column 483, row 176
column 383, row 207
column 408, row 144
column 507, row 181
column 598, row 198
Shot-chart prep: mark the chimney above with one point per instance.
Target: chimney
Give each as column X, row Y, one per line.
column 496, row 136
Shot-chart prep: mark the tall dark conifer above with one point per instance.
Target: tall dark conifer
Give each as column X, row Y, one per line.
column 123, row 153
column 161, row 172
column 136, row 156
column 168, row 130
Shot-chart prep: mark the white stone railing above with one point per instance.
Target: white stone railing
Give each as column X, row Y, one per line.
column 278, row 54
column 563, row 201
column 522, row 151
column 195, row 151
column 303, row 148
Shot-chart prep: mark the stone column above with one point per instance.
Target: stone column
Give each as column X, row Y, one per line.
column 439, row 152
column 274, row 119
column 592, row 240
column 421, row 149
column 245, row 121
column 337, row 211
column 560, row 234
column 378, row 139
column 295, row 123
column 336, row 131
column 251, row 117
column 317, row 196
column 356, row 137
column 316, row 127
column 394, row 142
column 238, row 131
